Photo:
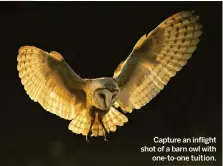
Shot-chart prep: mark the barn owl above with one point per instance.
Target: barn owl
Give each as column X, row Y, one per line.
column 92, row 105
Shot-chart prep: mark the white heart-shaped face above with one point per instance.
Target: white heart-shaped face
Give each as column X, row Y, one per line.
column 105, row 98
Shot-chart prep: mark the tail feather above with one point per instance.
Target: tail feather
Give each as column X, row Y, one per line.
column 81, row 124
column 97, row 129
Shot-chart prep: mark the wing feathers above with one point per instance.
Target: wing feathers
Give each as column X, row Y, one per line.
column 157, row 58
column 47, row 79
column 81, row 123
column 139, row 44
column 114, row 118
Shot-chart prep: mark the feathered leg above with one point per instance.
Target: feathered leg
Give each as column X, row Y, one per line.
column 100, row 117
column 92, row 115
column 105, row 131
column 90, row 131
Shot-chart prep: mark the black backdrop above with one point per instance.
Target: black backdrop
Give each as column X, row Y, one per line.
column 94, row 38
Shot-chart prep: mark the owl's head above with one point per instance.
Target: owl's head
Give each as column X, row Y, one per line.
column 104, row 92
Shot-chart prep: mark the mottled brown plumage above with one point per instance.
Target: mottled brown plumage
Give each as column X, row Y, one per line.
column 90, row 103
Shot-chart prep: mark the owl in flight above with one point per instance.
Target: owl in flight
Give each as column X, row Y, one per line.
column 91, row 104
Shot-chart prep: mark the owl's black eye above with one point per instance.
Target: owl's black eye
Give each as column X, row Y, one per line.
column 102, row 96
column 113, row 96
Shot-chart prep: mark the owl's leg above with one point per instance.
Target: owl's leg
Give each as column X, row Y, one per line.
column 89, row 132
column 105, row 130
column 92, row 115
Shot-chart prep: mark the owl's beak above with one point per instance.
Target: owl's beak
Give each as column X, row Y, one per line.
column 108, row 106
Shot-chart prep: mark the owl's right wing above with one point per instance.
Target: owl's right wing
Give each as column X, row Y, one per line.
column 156, row 58
column 51, row 82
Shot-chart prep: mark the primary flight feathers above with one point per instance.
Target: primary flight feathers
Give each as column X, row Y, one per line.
column 90, row 103
column 156, row 58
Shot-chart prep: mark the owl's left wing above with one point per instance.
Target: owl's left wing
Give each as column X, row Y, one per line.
column 155, row 59
column 51, row 82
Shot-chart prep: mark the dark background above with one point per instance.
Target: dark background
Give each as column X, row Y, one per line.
column 94, row 38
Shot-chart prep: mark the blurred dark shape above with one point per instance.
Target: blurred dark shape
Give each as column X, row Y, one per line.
column 57, row 149
column 36, row 162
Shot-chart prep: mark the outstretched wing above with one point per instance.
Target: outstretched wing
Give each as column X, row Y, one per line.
column 51, row 82
column 156, row 58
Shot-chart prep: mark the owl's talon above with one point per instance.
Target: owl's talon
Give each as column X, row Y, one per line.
column 89, row 132
column 87, row 139
column 105, row 139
